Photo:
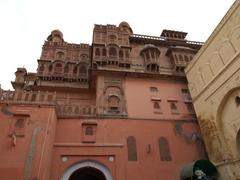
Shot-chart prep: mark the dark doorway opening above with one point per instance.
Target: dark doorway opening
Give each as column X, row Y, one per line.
column 87, row 173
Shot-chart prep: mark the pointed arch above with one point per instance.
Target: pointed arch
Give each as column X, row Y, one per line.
column 87, row 164
column 164, row 149
column 132, row 148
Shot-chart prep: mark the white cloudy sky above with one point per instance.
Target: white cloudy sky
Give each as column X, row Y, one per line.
column 25, row 24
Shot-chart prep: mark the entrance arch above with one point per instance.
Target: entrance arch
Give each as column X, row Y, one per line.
column 89, row 170
column 87, row 173
column 228, row 118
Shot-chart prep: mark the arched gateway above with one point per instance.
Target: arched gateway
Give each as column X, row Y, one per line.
column 87, row 170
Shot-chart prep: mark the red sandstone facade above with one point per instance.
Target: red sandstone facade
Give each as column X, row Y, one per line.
column 118, row 109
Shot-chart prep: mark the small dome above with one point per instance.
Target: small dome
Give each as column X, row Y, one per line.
column 125, row 26
column 55, row 35
column 57, row 32
column 124, row 23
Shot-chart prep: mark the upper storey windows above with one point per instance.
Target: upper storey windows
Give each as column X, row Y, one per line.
column 112, row 34
column 150, row 53
column 75, row 70
column 58, row 69
column 41, row 68
column 180, row 57
column 82, row 70
column 63, row 70
column 56, row 36
column 97, row 52
column 113, row 100
column 112, row 52
column 120, row 53
column 60, row 55
column 104, row 52
column 127, row 54
column 84, row 57
column 112, row 38
column 50, row 67
column 55, row 48
column 66, row 69
column 113, row 104
column 152, row 68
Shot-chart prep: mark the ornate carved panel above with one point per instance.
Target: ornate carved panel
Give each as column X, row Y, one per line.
column 112, row 99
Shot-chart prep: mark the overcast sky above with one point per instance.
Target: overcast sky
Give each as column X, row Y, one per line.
column 25, row 24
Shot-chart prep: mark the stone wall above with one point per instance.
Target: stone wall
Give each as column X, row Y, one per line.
column 214, row 80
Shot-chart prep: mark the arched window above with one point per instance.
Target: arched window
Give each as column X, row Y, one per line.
column 152, row 68
column 75, row 70
column 112, row 51
column 121, row 54
column 164, row 149
column 186, row 58
column 126, row 54
column 152, row 54
column 33, row 98
column 104, row 52
column 84, row 57
column 66, row 69
column 60, row 55
column 173, row 106
column 50, row 68
column 41, row 68
column 89, row 130
column 147, row 55
column 50, row 97
column 156, row 105
column 176, row 57
column 180, row 58
column 58, row 68
column 82, row 69
column 112, row 38
column 97, row 52
column 19, row 123
column 113, row 103
column 132, row 148
column 58, row 65
column 19, row 127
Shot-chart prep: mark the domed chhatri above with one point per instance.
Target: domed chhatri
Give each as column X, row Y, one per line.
column 55, row 36
column 125, row 26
